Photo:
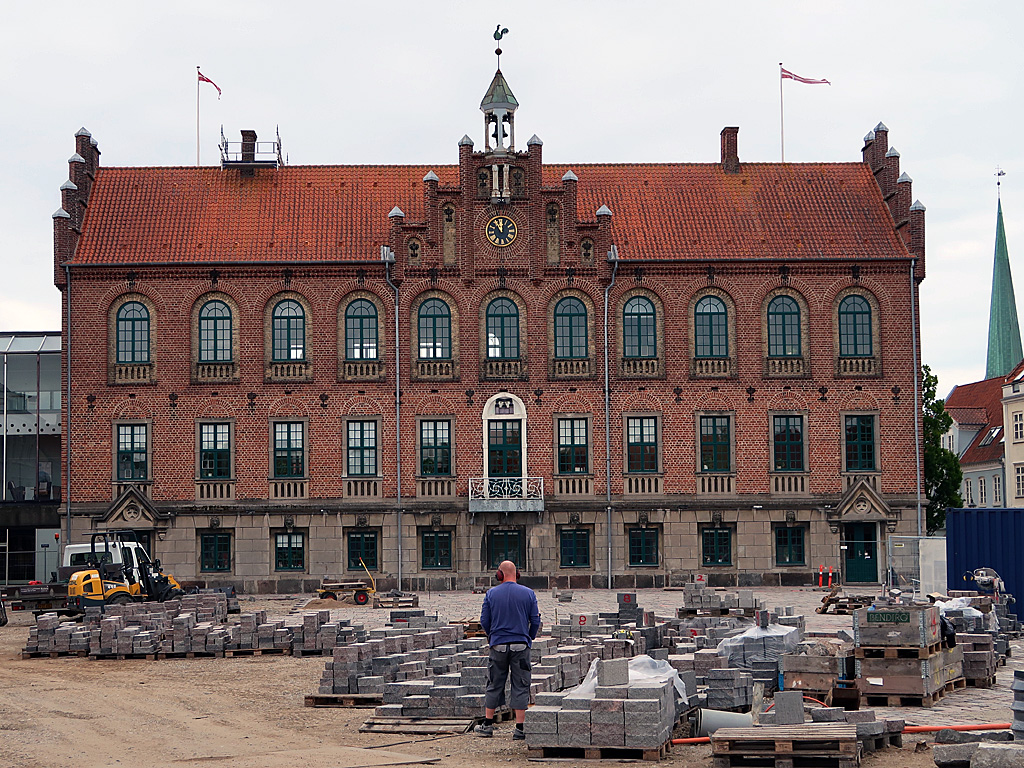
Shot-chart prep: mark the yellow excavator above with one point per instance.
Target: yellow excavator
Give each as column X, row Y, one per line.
column 137, row 579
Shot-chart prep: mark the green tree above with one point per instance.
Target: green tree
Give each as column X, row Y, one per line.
column 942, row 474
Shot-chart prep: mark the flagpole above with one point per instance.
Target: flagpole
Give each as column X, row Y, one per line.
column 782, row 117
column 197, row 115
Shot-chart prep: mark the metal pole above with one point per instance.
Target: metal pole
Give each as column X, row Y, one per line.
column 607, row 417
column 3, row 491
column 398, row 422
column 197, row 115
column 782, row 117
column 917, row 401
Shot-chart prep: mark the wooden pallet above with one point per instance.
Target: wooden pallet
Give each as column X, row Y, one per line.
column 830, row 746
column 875, row 743
column 411, row 601
column 229, row 653
column 896, row 651
column 304, row 652
column 598, row 753
column 980, row 682
column 344, row 700
column 915, row 700
column 51, row 654
column 423, row 726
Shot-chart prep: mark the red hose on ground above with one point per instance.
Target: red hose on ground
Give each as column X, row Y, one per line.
column 907, row 729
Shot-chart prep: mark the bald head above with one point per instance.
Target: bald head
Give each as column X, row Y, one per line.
column 508, row 570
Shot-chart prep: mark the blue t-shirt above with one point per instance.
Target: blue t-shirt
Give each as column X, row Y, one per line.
column 510, row 614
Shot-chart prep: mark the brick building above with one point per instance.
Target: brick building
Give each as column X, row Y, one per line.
column 234, row 334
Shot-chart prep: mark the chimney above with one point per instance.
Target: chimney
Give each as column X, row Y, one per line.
column 899, row 205
column 917, row 236
column 891, row 172
column 248, row 146
column 730, row 152
column 879, row 147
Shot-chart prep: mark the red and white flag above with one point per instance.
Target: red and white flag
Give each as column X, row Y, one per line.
column 204, row 79
column 787, row 75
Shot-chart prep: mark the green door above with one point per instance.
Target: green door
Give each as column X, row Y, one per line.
column 861, row 552
column 504, row 449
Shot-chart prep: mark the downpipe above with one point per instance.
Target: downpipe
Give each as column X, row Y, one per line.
column 388, row 257
column 613, row 257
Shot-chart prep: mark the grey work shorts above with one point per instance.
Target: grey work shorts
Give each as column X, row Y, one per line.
column 504, row 664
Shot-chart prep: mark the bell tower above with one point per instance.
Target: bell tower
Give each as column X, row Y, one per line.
column 499, row 108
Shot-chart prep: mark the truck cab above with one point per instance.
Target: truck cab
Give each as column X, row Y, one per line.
column 117, row 555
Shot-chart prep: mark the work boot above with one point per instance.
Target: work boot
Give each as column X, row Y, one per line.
column 518, row 734
column 483, row 730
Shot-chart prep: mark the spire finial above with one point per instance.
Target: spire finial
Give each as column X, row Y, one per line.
column 999, row 174
column 499, row 32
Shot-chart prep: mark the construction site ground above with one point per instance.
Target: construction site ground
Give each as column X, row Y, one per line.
column 248, row 711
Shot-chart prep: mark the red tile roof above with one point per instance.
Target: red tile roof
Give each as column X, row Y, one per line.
column 979, row 405
column 336, row 213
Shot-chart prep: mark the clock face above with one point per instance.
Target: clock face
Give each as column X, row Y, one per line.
column 501, row 231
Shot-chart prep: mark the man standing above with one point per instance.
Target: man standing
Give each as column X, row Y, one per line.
column 511, row 619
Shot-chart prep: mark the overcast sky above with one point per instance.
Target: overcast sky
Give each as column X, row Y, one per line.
column 598, row 81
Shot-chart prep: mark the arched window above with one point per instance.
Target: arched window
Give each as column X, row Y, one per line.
column 854, row 327
column 783, row 327
column 503, row 330
column 711, row 328
column 288, row 331
column 215, row 333
column 435, row 326
column 361, row 330
column 638, row 328
column 570, row 328
column 133, row 333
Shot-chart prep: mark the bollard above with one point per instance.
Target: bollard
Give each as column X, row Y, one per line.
column 830, row 577
column 821, row 573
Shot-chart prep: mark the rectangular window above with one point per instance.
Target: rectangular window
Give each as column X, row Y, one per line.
column 575, row 548
column 215, row 551
column 362, row 544
column 1018, row 427
column 132, row 452
column 436, row 549
column 860, row 443
column 715, row 444
column 289, row 449
column 505, row 545
column 789, row 546
column 1019, row 472
column 717, row 546
column 643, row 546
column 788, row 436
column 435, row 448
column 289, row 552
column 362, row 448
column 214, row 451
column 642, row 444
column 997, row 490
column 572, row 447
column 982, row 500
column 968, row 493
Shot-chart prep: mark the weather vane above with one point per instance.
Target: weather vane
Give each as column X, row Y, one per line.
column 999, row 174
column 499, row 32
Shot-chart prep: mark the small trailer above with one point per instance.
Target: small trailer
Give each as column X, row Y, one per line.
column 360, row 590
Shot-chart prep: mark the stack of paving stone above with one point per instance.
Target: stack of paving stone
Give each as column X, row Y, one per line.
column 872, row 733
column 731, row 689
column 617, row 714
column 980, row 659
column 697, row 597
column 51, row 635
column 1018, row 704
column 319, row 633
column 816, row 665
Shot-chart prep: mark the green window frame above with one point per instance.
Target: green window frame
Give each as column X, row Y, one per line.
column 855, row 327
column 215, row 331
column 215, row 552
column 716, row 546
column 436, row 550
column 435, row 330
column 133, row 334
column 789, row 545
column 784, row 327
column 711, row 328
column 361, row 330
column 288, row 332
column 215, row 451
column 289, row 551
column 504, row 544
column 573, row 447
column 502, row 330
column 643, row 546
column 436, row 448
column 570, row 329
column 289, row 449
column 788, row 443
column 362, row 449
column 362, row 544
column 641, row 444
column 574, row 546
column 860, row 443
column 132, row 452
column 715, row 444
column 639, row 322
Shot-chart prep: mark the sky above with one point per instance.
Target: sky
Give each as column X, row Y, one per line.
column 597, row 80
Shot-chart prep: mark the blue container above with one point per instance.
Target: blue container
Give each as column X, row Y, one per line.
column 986, row 538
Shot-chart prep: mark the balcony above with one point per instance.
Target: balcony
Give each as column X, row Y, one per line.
column 499, row 370
column 133, row 373
column 288, row 370
column 210, row 491
column 435, row 487
column 362, row 488
column 435, row 370
column 789, row 484
column 288, row 490
column 642, row 484
column 214, row 373
column 785, row 366
column 571, row 368
column 574, row 486
column 363, row 370
column 506, row 494
column 715, row 485
column 857, row 366
column 641, row 368
column 711, row 367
